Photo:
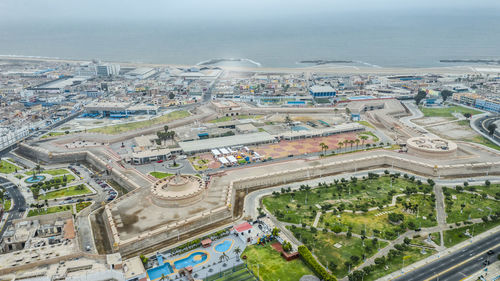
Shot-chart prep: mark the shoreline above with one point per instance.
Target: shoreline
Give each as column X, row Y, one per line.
column 341, row 69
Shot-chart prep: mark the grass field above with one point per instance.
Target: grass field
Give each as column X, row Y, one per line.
column 436, row 237
column 7, row 167
column 300, row 206
column 160, row 175
column 52, row 134
column 493, row 190
column 53, row 172
column 454, row 236
column 411, row 255
column 116, row 129
column 447, row 111
column 82, row 205
column 229, row 118
column 484, row 141
column 269, row 265
column 65, row 192
column 367, row 124
column 373, row 137
column 50, row 210
column 238, row 273
column 475, row 206
column 7, row 204
column 322, row 245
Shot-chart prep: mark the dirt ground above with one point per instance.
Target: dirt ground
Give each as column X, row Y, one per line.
column 297, row 147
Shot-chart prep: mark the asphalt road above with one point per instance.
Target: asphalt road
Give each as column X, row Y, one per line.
column 436, row 270
column 483, row 123
column 17, row 201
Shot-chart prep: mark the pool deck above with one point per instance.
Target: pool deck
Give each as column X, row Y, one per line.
column 211, row 265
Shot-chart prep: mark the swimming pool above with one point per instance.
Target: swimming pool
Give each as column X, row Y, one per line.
column 224, row 246
column 299, row 128
column 191, row 260
column 156, row 272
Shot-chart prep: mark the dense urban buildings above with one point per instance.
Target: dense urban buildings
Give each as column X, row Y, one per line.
column 122, row 171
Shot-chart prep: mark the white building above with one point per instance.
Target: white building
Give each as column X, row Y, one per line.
column 108, row 69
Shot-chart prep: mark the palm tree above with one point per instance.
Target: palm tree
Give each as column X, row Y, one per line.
column 345, row 143
column 340, row 145
column 363, row 138
column 357, row 143
column 223, row 257
column 163, row 277
column 351, row 142
column 322, row 145
column 237, row 251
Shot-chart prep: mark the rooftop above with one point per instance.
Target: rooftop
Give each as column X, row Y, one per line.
column 208, row 144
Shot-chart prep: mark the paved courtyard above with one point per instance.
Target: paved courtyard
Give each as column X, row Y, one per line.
column 302, row 146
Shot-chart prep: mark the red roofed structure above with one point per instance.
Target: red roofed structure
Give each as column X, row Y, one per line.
column 242, row 227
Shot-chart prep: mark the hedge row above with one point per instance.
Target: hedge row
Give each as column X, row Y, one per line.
column 308, row 258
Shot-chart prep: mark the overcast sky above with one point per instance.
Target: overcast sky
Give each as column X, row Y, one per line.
column 27, row 10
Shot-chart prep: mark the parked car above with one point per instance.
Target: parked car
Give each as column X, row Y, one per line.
column 159, row 161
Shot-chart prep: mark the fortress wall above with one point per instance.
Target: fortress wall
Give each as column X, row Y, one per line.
column 165, row 233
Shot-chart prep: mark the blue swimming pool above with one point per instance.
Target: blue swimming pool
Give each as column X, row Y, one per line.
column 192, row 260
column 156, row 272
column 224, row 246
column 299, row 128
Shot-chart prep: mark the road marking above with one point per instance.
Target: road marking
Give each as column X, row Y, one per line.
column 457, row 265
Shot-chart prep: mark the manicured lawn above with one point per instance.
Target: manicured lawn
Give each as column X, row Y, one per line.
column 371, row 135
column 456, row 235
column 484, row 141
column 82, row 205
column 493, row 190
column 447, row 111
column 116, row 129
column 160, row 175
column 53, row 134
column 65, row 192
column 229, row 118
column 367, row 124
column 7, row 204
column 198, row 163
column 322, row 245
column 240, row 273
column 411, row 255
column 436, row 237
column 271, row 266
column 475, row 206
column 53, row 172
column 7, row 167
column 50, row 210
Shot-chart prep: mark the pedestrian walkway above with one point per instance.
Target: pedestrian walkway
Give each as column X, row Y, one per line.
column 316, row 220
column 383, row 213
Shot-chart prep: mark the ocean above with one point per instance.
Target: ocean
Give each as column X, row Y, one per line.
column 395, row 40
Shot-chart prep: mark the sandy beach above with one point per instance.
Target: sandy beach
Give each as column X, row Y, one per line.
column 341, row 69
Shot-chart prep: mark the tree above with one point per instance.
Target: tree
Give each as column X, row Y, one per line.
column 445, row 94
column 275, row 231
column 487, row 182
column 340, row 144
column 351, row 142
column 357, row 143
column 407, row 241
column 491, row 128
column 165, row 128
column 420, row 96
column 171, row 96
column 467, row 115
column 363, row 139
column 288, row 121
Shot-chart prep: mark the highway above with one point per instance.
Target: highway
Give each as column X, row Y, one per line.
column 17, row 201
column 457, row 265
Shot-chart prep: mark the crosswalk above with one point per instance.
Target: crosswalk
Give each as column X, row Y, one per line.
column 383, row 213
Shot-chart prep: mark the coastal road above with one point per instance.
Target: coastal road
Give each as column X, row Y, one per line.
column 481, row 124
column 17, row 201
column 458, row 265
